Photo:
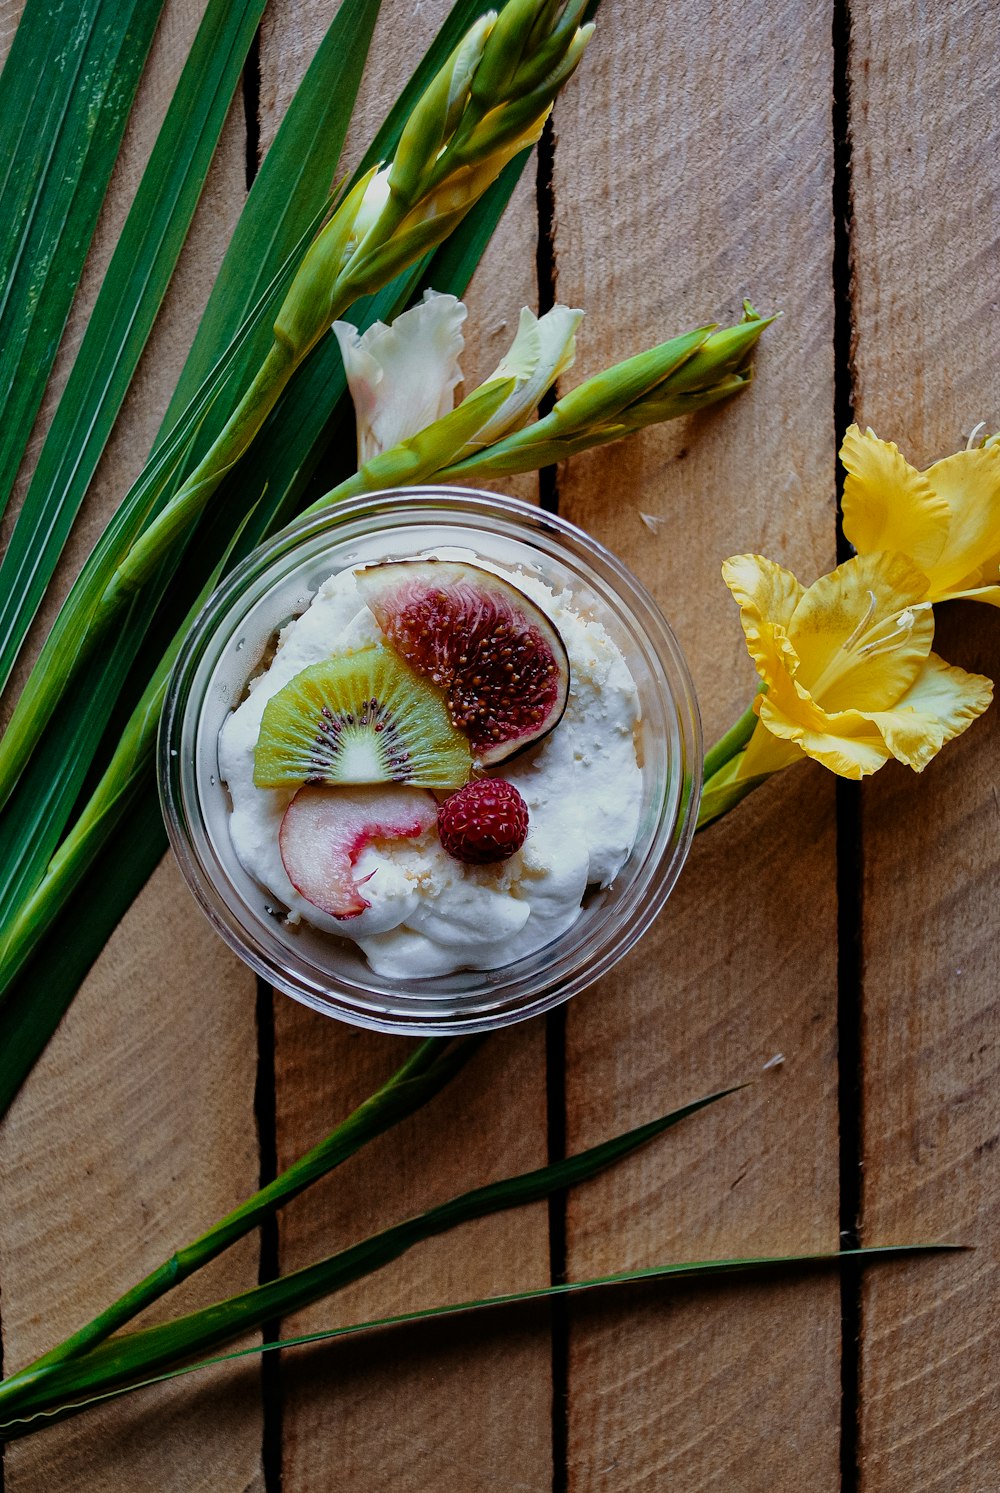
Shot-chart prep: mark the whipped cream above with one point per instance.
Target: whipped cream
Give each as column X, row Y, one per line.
column 431, row 914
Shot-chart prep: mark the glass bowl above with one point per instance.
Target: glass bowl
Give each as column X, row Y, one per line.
column 226, row 648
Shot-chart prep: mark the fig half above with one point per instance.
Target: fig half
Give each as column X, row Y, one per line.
column 498, row 658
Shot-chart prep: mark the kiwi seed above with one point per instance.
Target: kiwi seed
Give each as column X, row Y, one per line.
column 360, row 718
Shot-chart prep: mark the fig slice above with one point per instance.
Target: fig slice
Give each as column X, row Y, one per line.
column 325, row 830
column 500, row 661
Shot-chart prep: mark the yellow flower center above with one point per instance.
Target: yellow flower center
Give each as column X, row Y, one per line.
column 869, row 639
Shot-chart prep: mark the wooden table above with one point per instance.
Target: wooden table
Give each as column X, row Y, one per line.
column 836, row 161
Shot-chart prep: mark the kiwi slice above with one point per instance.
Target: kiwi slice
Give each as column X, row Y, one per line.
column 356, row 718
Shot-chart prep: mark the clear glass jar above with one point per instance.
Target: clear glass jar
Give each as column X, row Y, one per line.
column 226, row 648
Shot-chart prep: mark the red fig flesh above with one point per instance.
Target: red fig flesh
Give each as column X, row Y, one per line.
column 500, row 661
column 325, row 830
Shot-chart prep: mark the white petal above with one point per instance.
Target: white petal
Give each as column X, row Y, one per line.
column 541, row 352
column 402, row 377
column 371, row 207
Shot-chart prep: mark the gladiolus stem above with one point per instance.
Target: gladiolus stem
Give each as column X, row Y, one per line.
column 727, row 746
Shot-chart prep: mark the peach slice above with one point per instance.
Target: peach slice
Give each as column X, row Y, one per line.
column 325, row 830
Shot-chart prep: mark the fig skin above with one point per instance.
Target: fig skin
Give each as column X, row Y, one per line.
column 400, row 594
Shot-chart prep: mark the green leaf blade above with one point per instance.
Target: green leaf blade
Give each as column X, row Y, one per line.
column 689, row 1270
column 123, row 316
column 153, row 1348
column 64, row 108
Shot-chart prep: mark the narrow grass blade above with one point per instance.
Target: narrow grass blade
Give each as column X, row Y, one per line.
column 123, row 315
column 683, row 1271
column 289, row 196
column 65, row 95
column 429, row 1068
column 122, row 1359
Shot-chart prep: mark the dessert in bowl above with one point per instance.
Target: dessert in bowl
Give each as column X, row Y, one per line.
column 430, row 762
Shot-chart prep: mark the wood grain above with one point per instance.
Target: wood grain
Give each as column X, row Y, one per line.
column 465, row 1408
column 134, row 1133
column 694, row 166
column 136, row 1129
column 926, row 301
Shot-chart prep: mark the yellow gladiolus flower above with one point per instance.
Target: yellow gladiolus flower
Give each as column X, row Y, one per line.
column 850, row 677
column 946, row 519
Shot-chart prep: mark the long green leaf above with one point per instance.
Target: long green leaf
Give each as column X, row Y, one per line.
column 289, row 450
column 41, row 998
column 152, row 1348
column 123, row 315
column 682, row 1271
column 286, row 456
column 316, row 121
column 65, row 94
column 429, row 1068
column 289, row 196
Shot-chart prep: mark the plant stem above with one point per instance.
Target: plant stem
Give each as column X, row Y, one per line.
column 727, row 746
column 155, row 541
column 428, row 1069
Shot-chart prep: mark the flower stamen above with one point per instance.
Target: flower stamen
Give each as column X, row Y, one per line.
column 849, row 643
column 867, row 641
column 905, row 622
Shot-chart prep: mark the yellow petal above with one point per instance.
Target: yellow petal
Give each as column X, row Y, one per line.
column 767, row 596
column 889, row 505
column 847, row 743
column 765, row 753
column 969, row 483
column 862, row 633
column 943, row 702
column 989, row 594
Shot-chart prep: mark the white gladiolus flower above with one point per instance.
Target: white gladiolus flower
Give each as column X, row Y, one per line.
column 402, row 377
column 543, row 349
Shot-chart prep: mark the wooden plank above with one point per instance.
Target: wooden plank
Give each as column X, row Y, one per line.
column 925, row 153
column 134, row 1133
column 136, row 1129
column 693, row 166
column 465, row 1407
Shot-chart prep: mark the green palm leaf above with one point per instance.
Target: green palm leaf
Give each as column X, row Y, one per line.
column 123, row 315
column 65, row 94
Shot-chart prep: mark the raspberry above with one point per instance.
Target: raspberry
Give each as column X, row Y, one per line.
column 483, row 822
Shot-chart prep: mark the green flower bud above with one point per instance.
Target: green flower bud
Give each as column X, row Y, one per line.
column 315, row 297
